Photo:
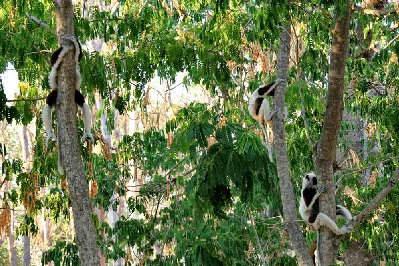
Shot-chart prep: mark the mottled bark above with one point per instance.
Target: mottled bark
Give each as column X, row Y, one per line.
column 68, row 142
column 287, row 194
column 12, row 250
column 26, row 257
column 326, row 150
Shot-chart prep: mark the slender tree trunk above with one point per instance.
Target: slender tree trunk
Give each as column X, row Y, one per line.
column 12, row 250
column 326, row 150
column 68, row 142
column 283, row 169
column 26, row 257
column 46, row 229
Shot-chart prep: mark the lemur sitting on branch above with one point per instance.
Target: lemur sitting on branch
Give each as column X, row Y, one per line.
column 309, row 207
column 56, row 59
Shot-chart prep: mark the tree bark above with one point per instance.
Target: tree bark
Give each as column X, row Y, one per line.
column 68, row 142
column 287, row 194
column 12, row 250
column 26, row 257
column 326, row 150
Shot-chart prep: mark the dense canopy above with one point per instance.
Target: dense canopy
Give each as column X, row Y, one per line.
column 179, row 173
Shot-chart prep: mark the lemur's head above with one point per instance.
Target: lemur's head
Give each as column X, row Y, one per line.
column 309, row 180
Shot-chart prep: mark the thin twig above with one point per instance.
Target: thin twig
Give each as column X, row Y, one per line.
column 303, row 114
column 392, row 41
column 12, row 209
column 27, row 99
column 262, row 253
column 41, row 23
column 376, row 201
column 174, row 87
column 369, row 166
column 371, row 11
column 324, row 25
column 2, row 183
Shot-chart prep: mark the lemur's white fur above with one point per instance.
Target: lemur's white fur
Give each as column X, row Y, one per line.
column 86, row 122
column 46, row 113
column 78, row 78
column 46, row 116
column 345, row 213
column 264, row 114
column 52, row 78
column 311, row 193
column 264, row 117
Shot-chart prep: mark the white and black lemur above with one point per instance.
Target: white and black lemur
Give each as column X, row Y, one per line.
column 259, row 109
column 56, row 59
column 309, row 207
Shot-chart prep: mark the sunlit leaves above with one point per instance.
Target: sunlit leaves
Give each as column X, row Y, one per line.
column 148, row 149
column 57, row 203
column 63, row 253
column 194, row 125
column 27, row 226
column 129, row 232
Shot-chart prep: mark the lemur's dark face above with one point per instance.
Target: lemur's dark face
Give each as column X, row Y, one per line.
column 311, row 179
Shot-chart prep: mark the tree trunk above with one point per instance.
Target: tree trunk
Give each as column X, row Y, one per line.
column 326, row 150
column 12, row 250
column 68, row 142
column 26, row 257
column 283, row 169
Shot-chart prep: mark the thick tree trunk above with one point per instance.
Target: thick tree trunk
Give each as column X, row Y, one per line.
column 68, row 142
column 326, row 150
column 283, row 169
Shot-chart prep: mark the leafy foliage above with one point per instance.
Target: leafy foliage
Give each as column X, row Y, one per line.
column 238, row 158
column 208, row 181
column 63, row 253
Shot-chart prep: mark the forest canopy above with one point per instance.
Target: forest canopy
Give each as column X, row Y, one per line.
column 178, row 171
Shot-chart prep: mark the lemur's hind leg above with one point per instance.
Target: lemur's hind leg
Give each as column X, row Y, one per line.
column 47, row 123
column 323, row 220
column 87, row 122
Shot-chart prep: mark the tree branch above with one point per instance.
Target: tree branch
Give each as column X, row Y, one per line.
column 262, row 253
column 371, row 11
column 27, row 99
column 351, row 173
column 41, row 23
column 391, row 41
column 2, row 183
column 303, row 114
column 376, row 201
column 311, row 14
